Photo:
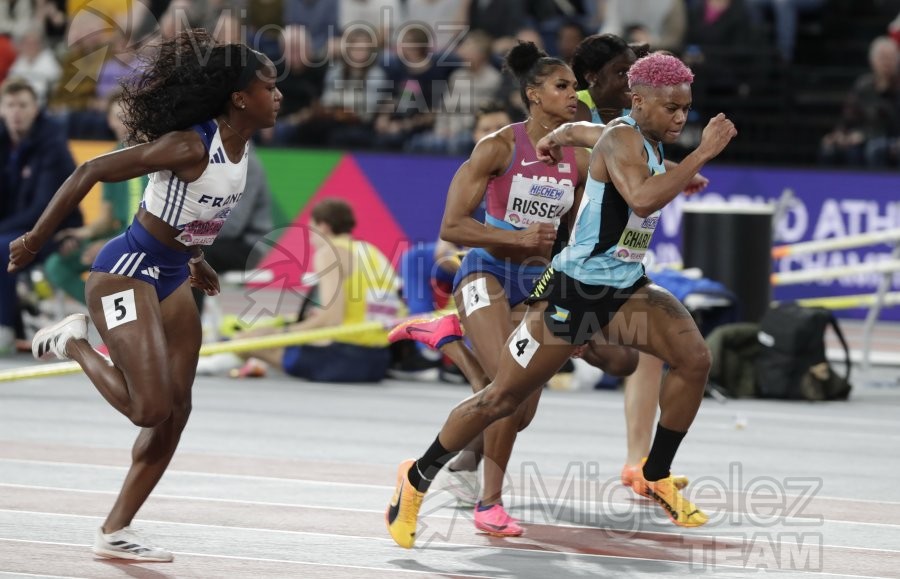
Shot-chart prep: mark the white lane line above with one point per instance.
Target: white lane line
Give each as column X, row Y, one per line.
column 363, row 485
column 42, row 576
column 257, row 559
column 171, row 471
column 448, row 572
column 719, row 539
column 522, row 499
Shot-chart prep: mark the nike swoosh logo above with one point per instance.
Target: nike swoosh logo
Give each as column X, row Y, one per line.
column 524, row 164
column 421, row 330
column 394, row 507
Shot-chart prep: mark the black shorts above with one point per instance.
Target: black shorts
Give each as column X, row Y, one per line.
column 577, row 310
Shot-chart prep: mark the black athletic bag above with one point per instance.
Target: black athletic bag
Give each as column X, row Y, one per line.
column 792, row 363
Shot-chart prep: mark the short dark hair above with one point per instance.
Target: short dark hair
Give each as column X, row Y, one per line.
column 17, row 84
column 490, row 107
column 336, row 213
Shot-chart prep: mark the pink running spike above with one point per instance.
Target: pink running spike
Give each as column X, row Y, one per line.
column 433, row 333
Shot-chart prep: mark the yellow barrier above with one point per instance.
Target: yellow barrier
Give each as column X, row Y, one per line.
column 849, row 302
column 238, row 345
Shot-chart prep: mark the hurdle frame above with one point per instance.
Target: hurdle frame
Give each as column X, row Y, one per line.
column 887, row 269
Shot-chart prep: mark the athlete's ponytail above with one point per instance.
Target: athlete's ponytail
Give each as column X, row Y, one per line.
column 530, row 65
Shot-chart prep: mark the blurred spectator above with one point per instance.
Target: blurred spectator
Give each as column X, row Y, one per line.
column 870, row 124
column 320, row 17
column 490, row 118
column 52, row 14
column 355, row 283
column 382, row 14
column 498, row 18
column 665, row 21
column 237, row 246
column 894, row 29
column 785, row 13
column 15, row 16
column 181, row 14
column 229, row 27
column 418, row 80
column 300, row 80
column 80, row 245
column 34, row 162
column 120, row 64
column 470, row 86
column 37, row 63
column 568, row 38
column 355, row 88
column 86, row 106
column 594, row 13
column 717, row 39
column 452, row 15
column 265, row 14
column 78, row 82
column 7, row 55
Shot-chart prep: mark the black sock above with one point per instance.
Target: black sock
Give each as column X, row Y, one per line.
column 424, row 470
column 662, row 453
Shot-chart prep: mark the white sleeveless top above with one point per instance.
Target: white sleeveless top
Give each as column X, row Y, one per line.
column 200, row 208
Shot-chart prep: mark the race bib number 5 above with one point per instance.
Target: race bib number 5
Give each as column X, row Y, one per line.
column 119, row 308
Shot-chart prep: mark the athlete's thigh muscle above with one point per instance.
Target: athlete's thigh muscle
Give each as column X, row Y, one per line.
column 485, row 314
column 181, row 323
column 529, row 357
column 127, row 314
column 655, row 322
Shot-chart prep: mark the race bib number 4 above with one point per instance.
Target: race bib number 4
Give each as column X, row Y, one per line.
column 636, row 237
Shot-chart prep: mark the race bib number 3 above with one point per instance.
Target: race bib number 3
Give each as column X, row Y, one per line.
column 119, row 308
column 475, row 296
column 635, row 239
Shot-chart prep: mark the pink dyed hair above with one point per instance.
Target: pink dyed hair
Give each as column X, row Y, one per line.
column 657, row 69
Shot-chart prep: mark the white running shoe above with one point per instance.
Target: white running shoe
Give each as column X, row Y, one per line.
column 128, row 544
column 462, row 484
column 218, row 364
column 50, row 342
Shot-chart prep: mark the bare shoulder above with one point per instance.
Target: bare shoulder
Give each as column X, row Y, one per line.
column 618, row 135
column 498, row 142
column 494, row 152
